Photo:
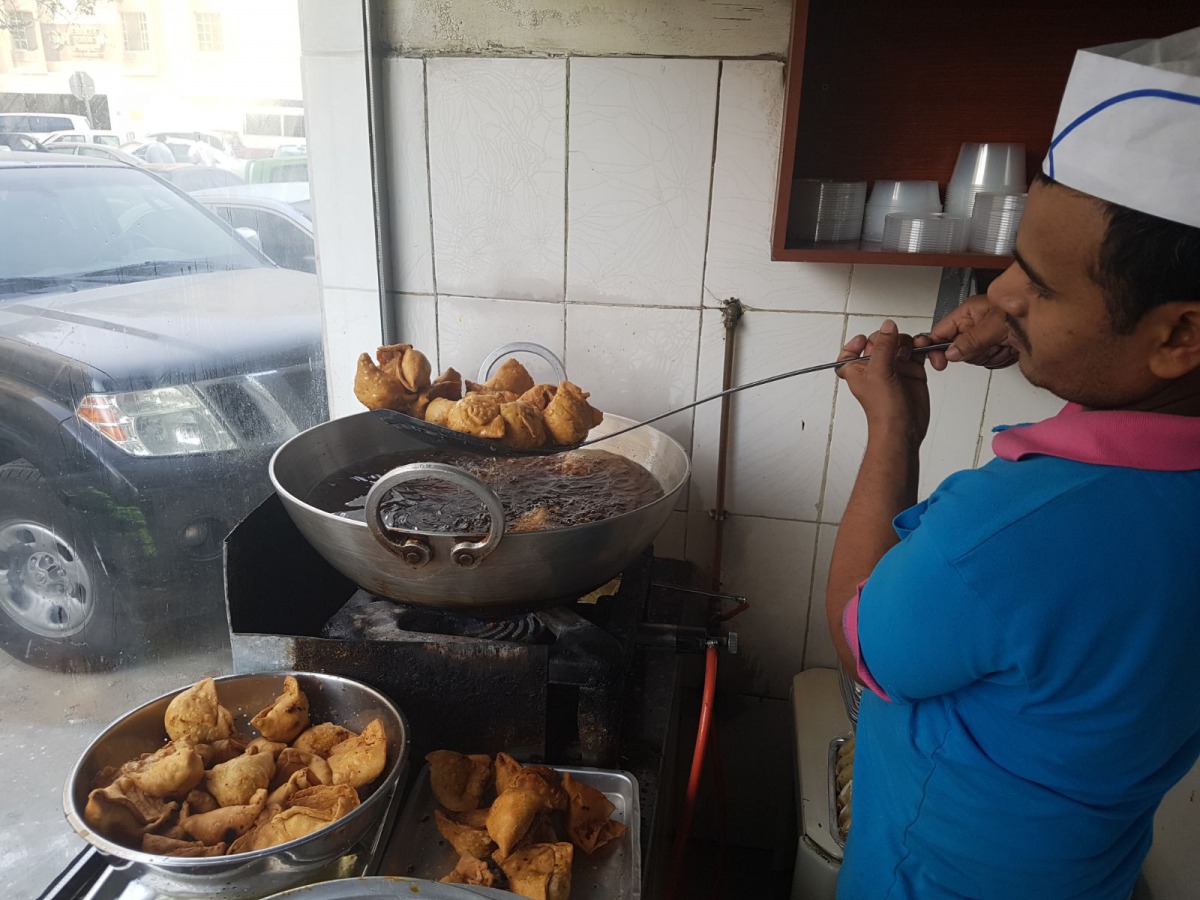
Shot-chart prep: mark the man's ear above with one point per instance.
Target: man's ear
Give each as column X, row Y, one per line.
column 1177, row 351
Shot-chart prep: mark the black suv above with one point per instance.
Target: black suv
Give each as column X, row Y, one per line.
column 151, row 359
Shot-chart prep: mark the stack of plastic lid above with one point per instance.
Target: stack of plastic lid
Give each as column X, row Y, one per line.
column 994, row 222
column 925, row 233
column 898, row 197
column 984, row 169
column 826, row 210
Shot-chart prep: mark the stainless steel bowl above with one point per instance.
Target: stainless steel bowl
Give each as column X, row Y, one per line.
column 371, row 888
column 503, row 572
column 246, row 875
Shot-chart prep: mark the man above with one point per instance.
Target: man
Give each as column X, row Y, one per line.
column 1029, row 636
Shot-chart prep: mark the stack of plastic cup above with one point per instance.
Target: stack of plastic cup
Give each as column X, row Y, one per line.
column 925, row 233
column 898, row 197
column 994, row 222
column 826, row 210
column 984, row 169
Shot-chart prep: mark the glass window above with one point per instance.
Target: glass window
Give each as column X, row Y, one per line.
column 269, row 124
column 286, row 241
column 151, row 362
column 135, row 29
column 293, row 126
column 23, row 32
column 209, row 38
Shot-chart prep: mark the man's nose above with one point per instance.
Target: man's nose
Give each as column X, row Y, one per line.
column 1006, row 292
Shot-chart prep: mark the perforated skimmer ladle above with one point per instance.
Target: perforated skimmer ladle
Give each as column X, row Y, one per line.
column 454, row 440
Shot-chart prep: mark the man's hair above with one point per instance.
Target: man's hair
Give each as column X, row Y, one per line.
column 1144, row 262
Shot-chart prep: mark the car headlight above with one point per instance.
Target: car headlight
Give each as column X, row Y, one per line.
column 169, row 421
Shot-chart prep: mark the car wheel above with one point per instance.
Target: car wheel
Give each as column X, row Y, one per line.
column 57, row 606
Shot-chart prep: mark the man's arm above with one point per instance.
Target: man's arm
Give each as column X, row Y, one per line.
column 892, row 390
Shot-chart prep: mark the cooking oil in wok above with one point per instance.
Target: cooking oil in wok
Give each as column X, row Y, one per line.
column 538, row 492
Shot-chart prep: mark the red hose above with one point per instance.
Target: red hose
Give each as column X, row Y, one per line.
column 693, row 788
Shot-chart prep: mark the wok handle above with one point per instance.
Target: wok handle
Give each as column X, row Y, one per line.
column 416, row 553
column 556, row 364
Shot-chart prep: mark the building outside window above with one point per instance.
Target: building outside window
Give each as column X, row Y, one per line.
column 135, row 27
column 24, row 32
column 208, row 33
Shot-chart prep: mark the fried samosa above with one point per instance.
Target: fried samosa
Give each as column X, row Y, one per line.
column 544, row 782
column 226, row 823
column 297, row 781
column 589, row 821
column 124, row 812
column 467, row 840
column 169, row 773
column 470, row 870
column 292, row 760
column 408, row 366
column 458, row 781
column 359, row 760
column 200, row 802
column 320, row 739
column 196, row 715
column 477, row 414
column 506, row 768
column 233, row 783
column 511, row 377
column 287, row 717
column 511, row 816
column 523, row 425
column 438, row 412
column 165, row 846
column 540, row 871
column 333, row 799
column 375, row 389
column 540, row 395
column 568, row 416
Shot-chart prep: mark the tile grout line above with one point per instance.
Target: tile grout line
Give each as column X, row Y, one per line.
column 704, row 261
column 812, row 575
column 566, row 199
column 812, row 582
column 437, row 303
column 987, row 394
column 837, row 386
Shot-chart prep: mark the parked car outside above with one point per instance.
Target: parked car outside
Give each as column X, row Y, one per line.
column 39, row 124
column 150, row 363
column 81, row 136
column 25, row 142
column 214, row 139
column 188, row 177
column 95, row 151
column 279, row 214
column 275, row 171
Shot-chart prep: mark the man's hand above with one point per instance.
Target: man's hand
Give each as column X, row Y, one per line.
column 976, row 328
column 891, row 386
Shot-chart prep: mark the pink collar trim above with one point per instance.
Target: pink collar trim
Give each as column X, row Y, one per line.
column 1134, row 440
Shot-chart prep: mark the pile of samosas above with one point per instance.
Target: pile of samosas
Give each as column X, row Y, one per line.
column 211, row 791
column 508, row 408
column 515, row 842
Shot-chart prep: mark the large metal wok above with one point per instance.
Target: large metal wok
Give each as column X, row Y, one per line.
column 496, row 572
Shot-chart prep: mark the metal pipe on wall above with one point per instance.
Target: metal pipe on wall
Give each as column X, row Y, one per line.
column 373, row 55
column 731, row 314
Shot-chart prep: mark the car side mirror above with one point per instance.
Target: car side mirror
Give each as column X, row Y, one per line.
column 250, row 236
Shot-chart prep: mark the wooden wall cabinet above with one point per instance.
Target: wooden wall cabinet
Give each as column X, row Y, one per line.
column 879, row 89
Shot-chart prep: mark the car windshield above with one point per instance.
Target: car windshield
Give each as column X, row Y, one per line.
column 65, row 226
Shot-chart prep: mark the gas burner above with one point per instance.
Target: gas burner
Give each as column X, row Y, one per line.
column 366, row 617
column 524, row 628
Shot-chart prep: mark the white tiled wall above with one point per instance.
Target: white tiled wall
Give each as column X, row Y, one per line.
column 640, row 166
column 606, row 208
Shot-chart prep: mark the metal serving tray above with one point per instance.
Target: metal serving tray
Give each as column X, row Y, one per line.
column 614, row 872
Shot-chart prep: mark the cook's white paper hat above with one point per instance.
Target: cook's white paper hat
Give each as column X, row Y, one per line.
column 1128, row 129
